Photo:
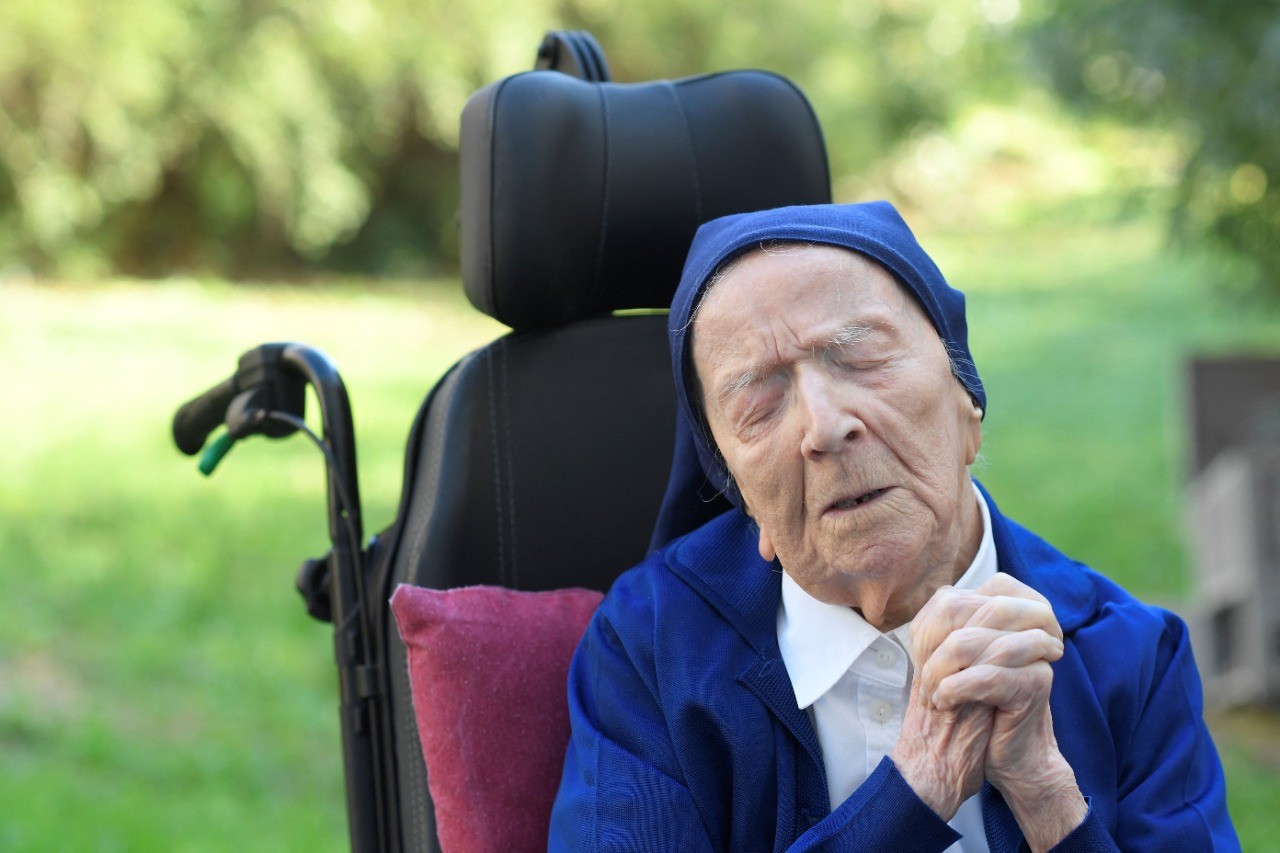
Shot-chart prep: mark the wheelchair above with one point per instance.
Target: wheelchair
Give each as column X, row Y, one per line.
column 538, row 462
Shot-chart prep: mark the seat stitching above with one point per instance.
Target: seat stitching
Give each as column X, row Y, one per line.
column 495, row 450
column 513, row 580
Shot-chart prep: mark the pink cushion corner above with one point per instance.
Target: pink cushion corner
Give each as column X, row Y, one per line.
column 489, row 672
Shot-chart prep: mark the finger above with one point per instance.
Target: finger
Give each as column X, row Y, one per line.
column 959, row 650
column 948, row 609
column 1021, row 648
column 1004, row 584
column 1010, row 613
column 970, row 647
column 1006, row 689
column 966, row 647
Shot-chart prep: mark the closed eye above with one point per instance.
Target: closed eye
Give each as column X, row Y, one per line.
column 857, row 347
column 755, row 405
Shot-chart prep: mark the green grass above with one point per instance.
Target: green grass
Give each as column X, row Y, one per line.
column 1082, row 338
column 161, row 687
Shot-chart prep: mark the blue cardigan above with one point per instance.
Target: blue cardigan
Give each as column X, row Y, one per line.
column 686, row 735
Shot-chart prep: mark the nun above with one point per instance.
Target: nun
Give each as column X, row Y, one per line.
column 861, row 652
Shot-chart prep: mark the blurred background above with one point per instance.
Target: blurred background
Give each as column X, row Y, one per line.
column 182, row 180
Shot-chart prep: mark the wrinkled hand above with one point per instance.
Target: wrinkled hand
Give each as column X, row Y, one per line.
column 941, row 753
column 997, row 655
column 990, row 636
column 991, row 648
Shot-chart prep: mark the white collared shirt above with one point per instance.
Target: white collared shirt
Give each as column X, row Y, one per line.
column 854, row 682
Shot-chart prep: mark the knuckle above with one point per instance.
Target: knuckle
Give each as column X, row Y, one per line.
column 1005, row 584
column 985, row 675
column 1042, row 673
column 961, row 641
column 950, row 600
column 988, row 614
column 1000, row 582
column 1003, row 648
column 1036, row 678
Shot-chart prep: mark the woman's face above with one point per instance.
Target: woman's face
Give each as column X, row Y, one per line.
column 830, row 396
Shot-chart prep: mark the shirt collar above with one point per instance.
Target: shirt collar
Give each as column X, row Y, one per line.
column 820, row 641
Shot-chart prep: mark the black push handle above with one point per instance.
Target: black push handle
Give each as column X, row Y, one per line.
column 202, row 415
column 573, row 52
column 265, row 381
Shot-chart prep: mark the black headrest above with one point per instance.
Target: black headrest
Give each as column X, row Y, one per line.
column 580, row 198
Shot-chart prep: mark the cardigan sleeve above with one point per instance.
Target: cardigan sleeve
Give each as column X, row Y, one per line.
column 883, row 813
column 1171, row 790
column 1168, row 791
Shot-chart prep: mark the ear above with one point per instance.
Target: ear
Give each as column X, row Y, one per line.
column 973, row 437
column 767, row 552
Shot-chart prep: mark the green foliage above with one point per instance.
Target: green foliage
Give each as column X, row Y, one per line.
column 227, row 134
column 1208, row 70
column 877, row 71
column 244, row 137
column 252, row 138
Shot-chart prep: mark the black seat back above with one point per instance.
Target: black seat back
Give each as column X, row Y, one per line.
column 540, row 460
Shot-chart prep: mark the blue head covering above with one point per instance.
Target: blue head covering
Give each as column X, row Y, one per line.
column 699, row 484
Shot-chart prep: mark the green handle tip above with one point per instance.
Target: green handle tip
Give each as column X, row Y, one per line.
column 213, row 454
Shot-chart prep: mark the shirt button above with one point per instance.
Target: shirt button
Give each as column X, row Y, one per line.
column 881, row 711
column 885, row 658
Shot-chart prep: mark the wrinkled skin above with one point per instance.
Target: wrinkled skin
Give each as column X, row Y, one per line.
column 831, row 399
column 825, row 383
column 989, row 649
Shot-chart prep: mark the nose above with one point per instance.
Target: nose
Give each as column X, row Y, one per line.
column 829, row 419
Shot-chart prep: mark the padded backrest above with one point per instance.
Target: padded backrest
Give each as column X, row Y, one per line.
column 540, row 460
column 543, row 458
column 580, row 198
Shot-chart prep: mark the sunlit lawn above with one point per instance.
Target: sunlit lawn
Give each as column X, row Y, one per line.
column 160, row 684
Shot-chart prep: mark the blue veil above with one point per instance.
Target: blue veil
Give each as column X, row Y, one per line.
column 699, row 487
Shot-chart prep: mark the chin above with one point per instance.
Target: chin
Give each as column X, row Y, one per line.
column 837, row 579
column 885, row 557
column 841, row 585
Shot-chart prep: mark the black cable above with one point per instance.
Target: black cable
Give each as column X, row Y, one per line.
column 335, row 474
column 362, row 613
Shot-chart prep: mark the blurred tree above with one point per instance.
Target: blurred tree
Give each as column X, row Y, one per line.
column 1210, row 71
column 257, row 136
column 877, row 71
column 228, row 134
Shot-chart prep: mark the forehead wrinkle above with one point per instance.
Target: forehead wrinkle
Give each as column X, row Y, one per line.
column 846, row 335
column 857, row 270
column 853, row 275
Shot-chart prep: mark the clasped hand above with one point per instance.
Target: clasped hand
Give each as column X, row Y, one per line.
column 979, row 707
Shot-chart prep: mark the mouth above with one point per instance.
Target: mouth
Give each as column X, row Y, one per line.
column 857, row 500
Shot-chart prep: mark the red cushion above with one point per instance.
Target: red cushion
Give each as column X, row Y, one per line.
column 489, row 670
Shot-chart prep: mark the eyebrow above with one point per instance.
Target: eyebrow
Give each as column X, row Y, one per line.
column 850, row 334
column 843, row 337
column 739, row 383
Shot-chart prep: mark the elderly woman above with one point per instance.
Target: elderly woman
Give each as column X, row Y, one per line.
column 864, row 654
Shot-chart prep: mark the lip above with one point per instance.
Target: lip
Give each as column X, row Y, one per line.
column 851, row 503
